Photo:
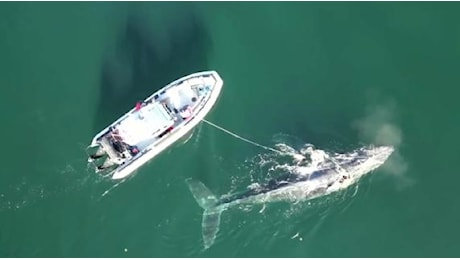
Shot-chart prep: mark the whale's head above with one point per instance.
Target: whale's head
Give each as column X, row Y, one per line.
column 365, row 160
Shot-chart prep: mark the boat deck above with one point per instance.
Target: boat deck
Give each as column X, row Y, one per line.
column 142, row 127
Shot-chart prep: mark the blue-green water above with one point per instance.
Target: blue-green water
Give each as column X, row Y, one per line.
column 336, row 75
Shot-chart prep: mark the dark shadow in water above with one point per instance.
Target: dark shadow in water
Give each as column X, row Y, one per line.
column 146, row 59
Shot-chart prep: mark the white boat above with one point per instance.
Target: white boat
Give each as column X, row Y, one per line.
column 154, row 124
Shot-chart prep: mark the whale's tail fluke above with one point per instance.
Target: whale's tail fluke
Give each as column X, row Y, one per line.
column 211, row 215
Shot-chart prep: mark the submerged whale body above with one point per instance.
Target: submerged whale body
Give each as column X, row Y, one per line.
column 336, row 173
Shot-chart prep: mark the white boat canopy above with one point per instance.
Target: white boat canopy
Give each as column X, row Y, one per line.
column 149, row 122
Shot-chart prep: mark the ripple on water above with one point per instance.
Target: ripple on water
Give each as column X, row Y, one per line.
column 72, row 176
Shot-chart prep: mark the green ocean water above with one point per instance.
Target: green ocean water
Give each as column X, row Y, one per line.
column 336, row 75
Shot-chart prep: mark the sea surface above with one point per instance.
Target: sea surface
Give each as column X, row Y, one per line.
column 335, row 75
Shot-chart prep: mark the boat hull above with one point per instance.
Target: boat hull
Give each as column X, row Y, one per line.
column 149, row 152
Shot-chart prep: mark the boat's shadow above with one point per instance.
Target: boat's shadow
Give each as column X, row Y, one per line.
column 146, row 59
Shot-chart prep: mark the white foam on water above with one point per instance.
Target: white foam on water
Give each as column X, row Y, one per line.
column 113, row 187
column 198, row 135
column 189, row 137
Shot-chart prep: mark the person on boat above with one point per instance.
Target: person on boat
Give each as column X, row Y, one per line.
column 133, row 150
column 118, row 146
column 137, row 109
column 115, row 134
column 138, row 105
column 186, row 112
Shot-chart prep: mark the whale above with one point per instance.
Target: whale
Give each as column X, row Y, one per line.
column 334, row 173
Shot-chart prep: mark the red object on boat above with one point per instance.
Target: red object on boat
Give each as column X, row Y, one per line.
column 138, row 106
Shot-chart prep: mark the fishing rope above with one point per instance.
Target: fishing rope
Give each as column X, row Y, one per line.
column 244, row 139
column 341, row 170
